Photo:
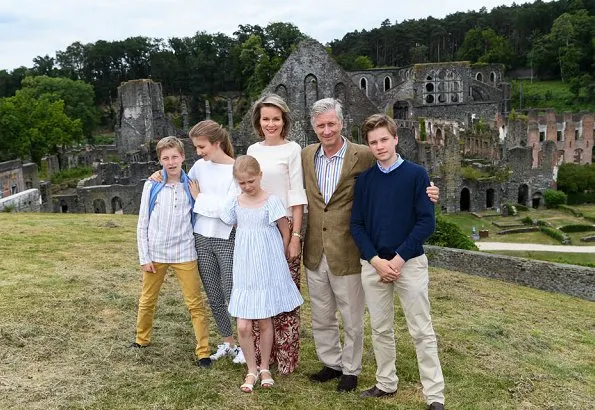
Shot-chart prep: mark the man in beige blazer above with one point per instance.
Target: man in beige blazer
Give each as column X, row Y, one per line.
column 331, row 257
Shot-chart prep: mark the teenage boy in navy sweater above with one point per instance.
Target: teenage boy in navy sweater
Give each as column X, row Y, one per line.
column 392, row 217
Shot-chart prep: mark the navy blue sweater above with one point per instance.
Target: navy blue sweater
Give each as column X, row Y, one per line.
column 392, row 212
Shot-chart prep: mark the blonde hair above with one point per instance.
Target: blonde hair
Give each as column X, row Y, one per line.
column 271, row 100
column 378, row 121
column 214, row 133
column 246, row 164
column 169, row 142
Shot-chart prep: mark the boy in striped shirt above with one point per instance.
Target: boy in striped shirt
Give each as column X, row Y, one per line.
column 165, row 238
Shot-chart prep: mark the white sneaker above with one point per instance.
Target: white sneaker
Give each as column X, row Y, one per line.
column 239, row 359
column 222, row 350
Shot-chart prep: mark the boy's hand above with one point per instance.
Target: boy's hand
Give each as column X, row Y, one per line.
column 194, row 188
column 385, row 269
column 156, row 176
column 433, row 192
column 148, row 267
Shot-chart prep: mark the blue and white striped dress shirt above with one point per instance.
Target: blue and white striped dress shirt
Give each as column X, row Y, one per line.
column 328, row 171
column 166, row 237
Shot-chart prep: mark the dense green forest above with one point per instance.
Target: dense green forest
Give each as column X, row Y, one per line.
column 556, row 40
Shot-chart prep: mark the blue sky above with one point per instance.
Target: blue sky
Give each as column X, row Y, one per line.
column 29, row 28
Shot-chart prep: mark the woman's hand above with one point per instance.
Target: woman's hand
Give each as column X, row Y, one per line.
column 156, row 176
column 194, row 188
column 294, row 249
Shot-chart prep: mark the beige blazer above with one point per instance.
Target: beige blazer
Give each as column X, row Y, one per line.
column 327, row 229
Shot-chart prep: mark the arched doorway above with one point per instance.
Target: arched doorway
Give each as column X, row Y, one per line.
column 489, row 198
column 465, row 201
column 537, row 200
column 117, row 206
column 99, row 206
column 523, row 195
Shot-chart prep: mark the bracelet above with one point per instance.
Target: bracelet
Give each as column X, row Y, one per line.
column 299, row 235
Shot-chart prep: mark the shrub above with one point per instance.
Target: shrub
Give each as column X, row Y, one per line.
column 556, row 234
column 577, row 228
column 521, row 207
column 554, row 198
column 527, row 220
column 71, row 174
column 449, row 235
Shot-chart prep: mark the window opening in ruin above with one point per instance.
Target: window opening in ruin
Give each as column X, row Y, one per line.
column 63, row 206
column 387, row 83
column 363, row 84
column 559, row 135
column 430, row 99
column 429, row 87
column 442, row 98
column 489, row 198
column 355, row 134
column 541, row 136
column 578, row 156
column 13, row 189
column 401, row 110
column 465, row 200
column 523, row 194
column 577, row 135
column 99, row 206
column 493, row 77
column 479, row 77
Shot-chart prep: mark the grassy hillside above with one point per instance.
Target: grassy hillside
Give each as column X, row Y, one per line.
column 547, row 94
column 69, row 285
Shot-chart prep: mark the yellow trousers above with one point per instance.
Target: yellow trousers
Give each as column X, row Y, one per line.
column 187, row 274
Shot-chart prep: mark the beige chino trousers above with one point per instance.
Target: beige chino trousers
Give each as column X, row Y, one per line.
column 412, row 289
column 329, row 293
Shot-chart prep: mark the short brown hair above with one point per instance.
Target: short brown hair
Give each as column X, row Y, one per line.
column 246, row 164
column 169, row 142
column 271, row 100
column 214, row 133
column 378, row 121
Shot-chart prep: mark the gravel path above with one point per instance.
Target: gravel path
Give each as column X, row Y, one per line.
column 506, row 246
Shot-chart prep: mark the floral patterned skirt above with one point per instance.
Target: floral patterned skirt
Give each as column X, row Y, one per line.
column 286, row 333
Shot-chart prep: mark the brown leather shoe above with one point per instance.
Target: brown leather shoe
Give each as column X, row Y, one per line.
column 325, row 375
column 347, row 383
column 375, row 392
column 436, row 406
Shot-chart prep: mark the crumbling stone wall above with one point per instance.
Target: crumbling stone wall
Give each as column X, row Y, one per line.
column 11, row 178
column 578, row 281
column 308, row 75
column 141, row 119
column 26, row 201
column 110, row 198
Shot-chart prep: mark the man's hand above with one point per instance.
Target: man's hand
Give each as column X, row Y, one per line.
column 194, row 188
column 385, row 269
column 433, row 192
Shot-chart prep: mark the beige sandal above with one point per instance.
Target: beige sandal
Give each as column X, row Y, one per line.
column 249, row 387
column 266, row 383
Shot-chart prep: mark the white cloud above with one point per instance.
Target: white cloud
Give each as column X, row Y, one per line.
column 29, row 28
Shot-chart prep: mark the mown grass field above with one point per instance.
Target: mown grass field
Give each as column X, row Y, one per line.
column 548, row 94
column 69, row 285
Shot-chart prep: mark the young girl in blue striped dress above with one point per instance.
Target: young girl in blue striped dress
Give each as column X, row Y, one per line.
column 262, row 284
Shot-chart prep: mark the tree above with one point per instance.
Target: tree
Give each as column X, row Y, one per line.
column 33, row 127
column 77, row 96
column 485, row 46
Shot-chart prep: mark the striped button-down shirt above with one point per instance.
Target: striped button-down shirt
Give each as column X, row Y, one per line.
column 328, row 171
column 167, row 236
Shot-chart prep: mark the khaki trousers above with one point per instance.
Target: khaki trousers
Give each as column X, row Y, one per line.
column 412, row 289
column 329, row 293
column 187, row 273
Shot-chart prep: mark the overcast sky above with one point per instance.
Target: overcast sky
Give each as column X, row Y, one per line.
column 30, row 28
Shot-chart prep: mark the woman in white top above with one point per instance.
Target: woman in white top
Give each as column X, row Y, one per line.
column 214, row 240
column 281, row 164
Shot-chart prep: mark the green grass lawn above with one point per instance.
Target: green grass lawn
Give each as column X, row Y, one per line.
column 583, row 259
column 69, row 286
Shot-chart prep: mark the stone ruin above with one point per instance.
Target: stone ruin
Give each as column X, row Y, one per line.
column 452, row 117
